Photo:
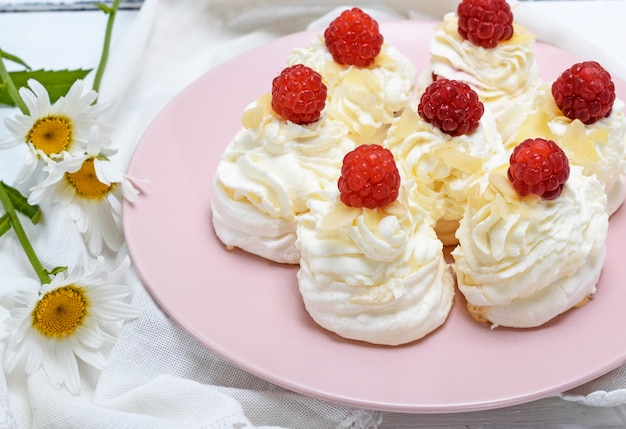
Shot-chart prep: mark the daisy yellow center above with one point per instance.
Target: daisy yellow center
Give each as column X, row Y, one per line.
column 60, row 312
column 51, row 135
column 86, row 181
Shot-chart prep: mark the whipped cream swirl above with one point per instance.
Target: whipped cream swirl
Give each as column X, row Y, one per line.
column 372, row 275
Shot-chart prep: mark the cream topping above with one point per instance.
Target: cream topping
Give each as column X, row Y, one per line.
column 513, row 248
column 372, row 275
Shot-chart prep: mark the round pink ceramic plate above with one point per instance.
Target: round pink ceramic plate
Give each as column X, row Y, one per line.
column 250, row 312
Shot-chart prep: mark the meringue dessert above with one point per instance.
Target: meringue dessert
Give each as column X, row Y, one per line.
column 372, row 274
column 523, row 260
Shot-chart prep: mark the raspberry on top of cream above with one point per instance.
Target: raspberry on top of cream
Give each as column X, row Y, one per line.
column 521, row 261
column 485, row 23
column 372, row 269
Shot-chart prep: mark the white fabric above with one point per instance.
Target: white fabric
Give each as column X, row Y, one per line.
column 158, row 376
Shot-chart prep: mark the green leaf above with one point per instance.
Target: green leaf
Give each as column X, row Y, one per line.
column 14, row 58
column 57, row 270
column 57, row 82
column 5, row 224
column 21, row 204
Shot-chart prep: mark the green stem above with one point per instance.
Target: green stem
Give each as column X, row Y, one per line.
column 6, row 78
column 104, row 57
column 43, row 275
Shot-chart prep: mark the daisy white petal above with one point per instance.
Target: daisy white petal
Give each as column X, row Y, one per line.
column 9, row 142
column 31, row 164
column 63, row 322
column 91, row 342
column 93, row 143
column 66, row 372
column 89, row 355
column 36, row 99
column 34, row 359
column 108, row 173
column 74, row 98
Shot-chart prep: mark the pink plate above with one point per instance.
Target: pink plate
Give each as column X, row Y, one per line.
column 249, row 310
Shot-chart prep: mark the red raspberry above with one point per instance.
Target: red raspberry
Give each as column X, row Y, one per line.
column 540, row 167
column 369, row 177
column 298, row 94
column 485, row 22
column 585, row 92
column 452, row 106
column 353, row 38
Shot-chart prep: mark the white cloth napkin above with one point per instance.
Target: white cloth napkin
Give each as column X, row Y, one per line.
column 158, row 376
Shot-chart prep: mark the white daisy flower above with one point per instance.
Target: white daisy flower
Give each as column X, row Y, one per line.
column 50, row 328
column 92, row 188
column 49, row 129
